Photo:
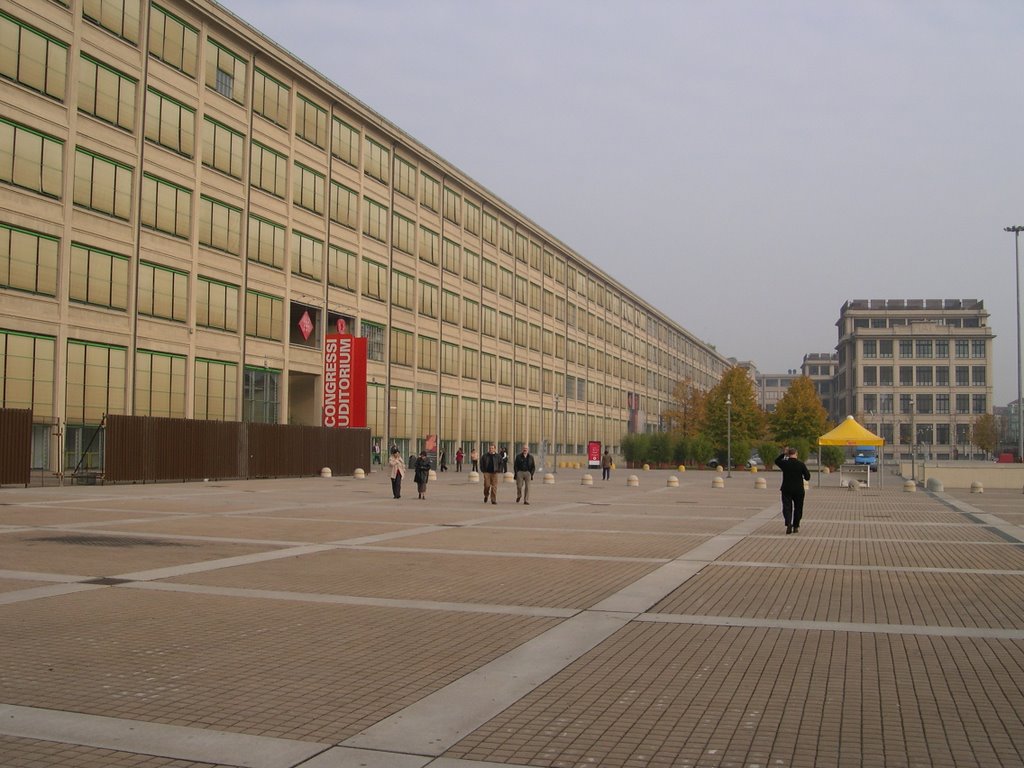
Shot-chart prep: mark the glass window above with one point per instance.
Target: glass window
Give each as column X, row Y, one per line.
column 924, row 375
column 32, row 58
column 165, row 206
column 472, row 218
column 452, row 206
column 308, row 189
column 261, row 394
column 979, row 403
column 27, row 373
column 885, row 348
column 507, row 238
column 403, row 233
column 98, row 277
column 375, row 280
column 963, row 376
column 170, row 123
column 942, row 348
column 451, row 256
column 870, row 374
column 430, row 246
column 906, row 348
column 450, row 307
column 30, row 160
column 374, row 335
column 118, row 16
column 978, row 375
column 216, row 388
column 270, row 98
column 490, row 233
column 870, row 347
column 264, row 316
column 224, row 149
column 163, row 292
column 449, row 358
column 490, row 275
column 923, row 348
column 962, row 348
column 344, row 205
column 942, row 376
column 268, row 170
column 375, row 224
column 978, row 348
column 173, row 41
column 106, row 93
column 428, row 299
column 266, row 242
column 470, row 314
column 342, row 268
column 311, row 122
column 377, row 160
column 489, row 321
column 307, row 256
column 216, row 305
column 470, row 363
column 159, row 385
column 405, row 178
column 220, row 225
column 471, row 266
column 95, row 380
column 345, row 142
column 401, row 290
column 430, row 192
column 401, row 347
column 225, row 72
column 28, row 260
column 426, row 354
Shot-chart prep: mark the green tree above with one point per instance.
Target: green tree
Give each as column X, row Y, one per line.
column 832, row 456
column 985, row 433
column 799, row 414
column 687, row 411
column 660, row 444
column 747, row 418
column 768, row 453
column 701, row 449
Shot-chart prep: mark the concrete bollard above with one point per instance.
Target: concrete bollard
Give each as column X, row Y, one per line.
column 753, row 469
column 647, row 467
column 432, row 475
column 359, row 474
column 549, row 479
column 672, row 482
column 934, row 484
column 760, row 484
column 909, row 486
column 807, row 485
column 719, row 468
column 473, row 477
column 681, row 468
column 853, row 485
column 718, row 482
column 826, row 471
column 977, row 487
column 632, row 481
column 587, row 479
column 325, row 472
column 509, row 477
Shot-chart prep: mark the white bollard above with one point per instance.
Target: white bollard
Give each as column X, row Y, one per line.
column 909, row 486
column 853, row 485
column 432, row 475
column 587, row 479
column 718, row 482
column 647, row 467
column 719, row 468
column 632, row 481
column 549, row 479
column 325, row 472
column 359, row 474
column 934, row 484
column 673, row 482
column 473, row 477
column 509, row 477
column 977, row 487
column 760, row 483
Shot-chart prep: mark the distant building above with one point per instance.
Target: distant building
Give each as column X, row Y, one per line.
column 916, row 371
column 820, row 368
column 772, row 387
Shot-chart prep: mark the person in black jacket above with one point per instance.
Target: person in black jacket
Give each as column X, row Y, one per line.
column 794, row 472
column 422, row 474
column 489, row 466
column 524, row 467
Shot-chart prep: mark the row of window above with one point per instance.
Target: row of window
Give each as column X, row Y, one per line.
column 925, row 404
column 38, row 61
column 924, row 375
column 926, row 434
column 924, row 348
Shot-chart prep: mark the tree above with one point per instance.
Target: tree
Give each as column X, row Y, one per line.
column 660, row 448
column 747, row 417
column 768, row 451
column 687, row 411
column 985, row 433
column 832, row 456
column 799, row 414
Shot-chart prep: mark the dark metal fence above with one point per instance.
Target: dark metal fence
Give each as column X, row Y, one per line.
column 16, row 445
column 149, row 449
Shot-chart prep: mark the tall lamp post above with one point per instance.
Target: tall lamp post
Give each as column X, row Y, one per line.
column 728, row 433
column 1020, row 368
column 554, row 446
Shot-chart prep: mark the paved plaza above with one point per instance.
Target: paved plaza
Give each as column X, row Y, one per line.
column 321, row 623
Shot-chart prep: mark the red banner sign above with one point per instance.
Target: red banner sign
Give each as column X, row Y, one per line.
column 594, row 453
column 344, row 381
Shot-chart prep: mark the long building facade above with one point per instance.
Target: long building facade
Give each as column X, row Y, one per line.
column 186, row 210
column 917, row 372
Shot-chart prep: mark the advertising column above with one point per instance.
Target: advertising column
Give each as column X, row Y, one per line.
column 344, row 381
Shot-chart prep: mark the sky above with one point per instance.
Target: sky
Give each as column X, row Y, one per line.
column 745, row 167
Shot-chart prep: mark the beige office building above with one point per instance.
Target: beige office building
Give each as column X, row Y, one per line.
column 916, row 372
column 186, row 209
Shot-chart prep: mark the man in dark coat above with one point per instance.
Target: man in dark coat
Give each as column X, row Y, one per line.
column 794, row 472
column 489, row 466
column 524, row 467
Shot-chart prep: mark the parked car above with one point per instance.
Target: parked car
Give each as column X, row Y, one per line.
column 754, row 461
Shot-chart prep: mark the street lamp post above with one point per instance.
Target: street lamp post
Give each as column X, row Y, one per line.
column 554, row 446
column 728, row 433
column 1020, row 367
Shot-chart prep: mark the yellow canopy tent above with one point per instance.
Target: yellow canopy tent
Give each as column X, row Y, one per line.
column 849, row 433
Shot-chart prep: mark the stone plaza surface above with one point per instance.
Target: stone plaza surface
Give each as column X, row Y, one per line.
column 320, row 623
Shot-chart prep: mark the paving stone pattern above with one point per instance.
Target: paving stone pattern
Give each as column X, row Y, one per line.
column 320, row 623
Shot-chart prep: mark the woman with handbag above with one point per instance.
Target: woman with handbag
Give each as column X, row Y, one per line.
column 396, row 468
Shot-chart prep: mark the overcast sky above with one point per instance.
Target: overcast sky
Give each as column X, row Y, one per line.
column 744, row 166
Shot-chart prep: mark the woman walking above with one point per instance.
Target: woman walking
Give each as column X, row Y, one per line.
column 396, row 468
column 422, row 475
